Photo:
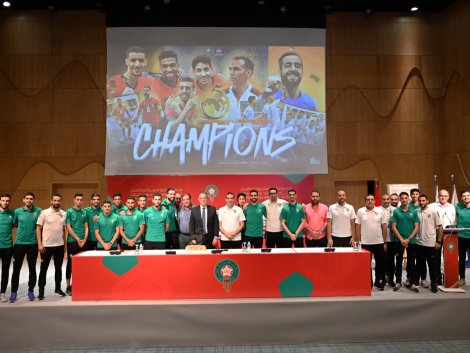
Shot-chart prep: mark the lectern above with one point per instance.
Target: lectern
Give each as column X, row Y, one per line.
column 451, row 256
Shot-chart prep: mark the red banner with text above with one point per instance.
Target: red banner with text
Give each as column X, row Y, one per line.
column 215, row 186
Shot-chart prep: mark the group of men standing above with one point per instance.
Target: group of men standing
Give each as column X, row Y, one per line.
column 398, row 225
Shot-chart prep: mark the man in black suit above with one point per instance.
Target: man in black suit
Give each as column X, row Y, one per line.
column 210, row 228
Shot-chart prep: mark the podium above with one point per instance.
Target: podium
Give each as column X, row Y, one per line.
column 451, row 257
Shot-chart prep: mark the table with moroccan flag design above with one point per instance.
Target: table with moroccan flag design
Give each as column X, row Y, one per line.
column 281, row 273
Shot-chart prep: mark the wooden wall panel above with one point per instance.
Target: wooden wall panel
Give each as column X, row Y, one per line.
column 352, row 104
column 420, row 37
column 95, row 65
column 353, row 38
column 78, row 105
column 77, row 32
column 25, row 33
column 400, row 105
column 22, row 106
column 393, row 70
column 359, row 71
column 431, row 70
column 27, row 71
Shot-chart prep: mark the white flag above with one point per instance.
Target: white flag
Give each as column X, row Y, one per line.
column 455, row 199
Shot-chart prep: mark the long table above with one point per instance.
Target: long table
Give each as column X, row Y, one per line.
column 282, row 273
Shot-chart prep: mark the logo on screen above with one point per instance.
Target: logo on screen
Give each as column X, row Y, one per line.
column 215, row 104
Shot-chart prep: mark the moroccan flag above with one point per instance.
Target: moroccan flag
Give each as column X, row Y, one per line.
column 378, row 201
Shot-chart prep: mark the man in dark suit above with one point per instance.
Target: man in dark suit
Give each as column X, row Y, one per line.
column 209, row 227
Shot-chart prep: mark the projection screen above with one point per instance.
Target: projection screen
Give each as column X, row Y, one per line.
column 215, row 101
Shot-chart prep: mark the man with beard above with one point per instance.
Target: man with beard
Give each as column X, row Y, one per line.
column 462, row 210
column 394, row 200
column 50, row 233
column 6, row 241
column 171, row 234
column 167, row 83
column 446, row 212
column 150, row 108
column 93, row 214
column 371, row 230
column 132, row 226
column 274, row 231
column 254, row 214
column 134, row 79
column 182, row 107
column 315, row 226
column 428, row 240
column 341, row 222
column 291, row 71
column 26, row 243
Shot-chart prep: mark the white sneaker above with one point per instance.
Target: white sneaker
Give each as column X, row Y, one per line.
column 3, row 298
column 461, row 282
column 414, row 288
column 424, row 284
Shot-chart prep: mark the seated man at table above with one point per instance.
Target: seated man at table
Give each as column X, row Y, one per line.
column 107, row 228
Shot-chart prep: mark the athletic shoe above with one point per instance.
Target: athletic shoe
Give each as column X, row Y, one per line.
column 59, row 293
column 3, row 298
column 462, row 282
column 397, row 287
column 433, row 289
column 68, row 290
column 31, row 296
column 407, row 283
column 424, row 284
column 12, row 297
column 414, row 288
column 41, row 294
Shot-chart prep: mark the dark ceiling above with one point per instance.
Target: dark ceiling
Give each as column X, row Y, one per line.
column 225, row 13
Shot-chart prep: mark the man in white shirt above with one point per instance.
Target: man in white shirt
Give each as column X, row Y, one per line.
column 427, row 247
column 231, row 222
column 50, row 232
column 340, row 218
column 274, row 231
column 446, row 212
column 371, row 230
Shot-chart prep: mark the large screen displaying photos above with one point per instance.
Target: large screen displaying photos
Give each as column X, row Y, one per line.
column 215, row 101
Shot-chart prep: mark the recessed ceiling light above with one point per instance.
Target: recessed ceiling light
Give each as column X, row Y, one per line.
column 414, row 9
column 6, row 4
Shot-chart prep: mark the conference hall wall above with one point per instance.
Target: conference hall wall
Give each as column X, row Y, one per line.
column 397, row 89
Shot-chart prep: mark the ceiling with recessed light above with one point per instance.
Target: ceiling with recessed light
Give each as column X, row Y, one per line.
column 220, row 13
